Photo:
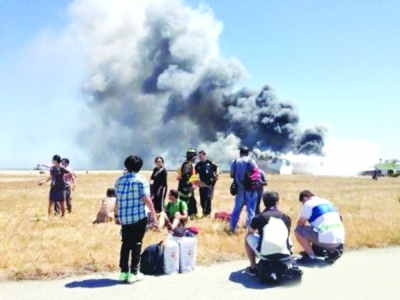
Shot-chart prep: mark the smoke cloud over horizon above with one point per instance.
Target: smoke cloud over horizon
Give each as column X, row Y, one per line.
column 157, row 85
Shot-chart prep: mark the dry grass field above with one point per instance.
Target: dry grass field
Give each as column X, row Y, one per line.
column 34, row 248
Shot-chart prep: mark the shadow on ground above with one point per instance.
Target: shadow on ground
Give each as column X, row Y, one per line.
column 254, row 282
column 248, row 281
column 319, row 263
column 93, row 283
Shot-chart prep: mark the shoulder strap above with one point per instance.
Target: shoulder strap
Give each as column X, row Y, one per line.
column 180, row 207
column 249, row 163
column 234, row 171
column 280, row 215
column 168, row 207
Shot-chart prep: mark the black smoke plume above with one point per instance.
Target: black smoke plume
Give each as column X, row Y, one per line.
column 157, row 85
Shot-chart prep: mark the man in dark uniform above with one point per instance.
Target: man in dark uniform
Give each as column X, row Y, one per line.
column 188, row 181
column 208, row 174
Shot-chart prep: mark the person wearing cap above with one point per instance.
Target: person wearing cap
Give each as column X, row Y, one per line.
column 256, row 243
column 208, row 175
column 239, row 167
column 187, row 182
column 325, row 228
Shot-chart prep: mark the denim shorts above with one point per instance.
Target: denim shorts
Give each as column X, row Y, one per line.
column 312, row 236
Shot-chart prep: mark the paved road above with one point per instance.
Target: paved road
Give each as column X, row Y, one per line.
column 363, row 274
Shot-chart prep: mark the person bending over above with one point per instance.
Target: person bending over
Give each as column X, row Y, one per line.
column 268, row 234
column 325, row 230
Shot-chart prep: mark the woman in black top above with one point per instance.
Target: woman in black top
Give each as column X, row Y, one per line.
column 57, row 188
column 159, row 184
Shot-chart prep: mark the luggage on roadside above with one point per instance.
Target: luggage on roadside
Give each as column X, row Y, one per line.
column 279, row 272
column 171, row 257
column 152, row 259
column 187, row 253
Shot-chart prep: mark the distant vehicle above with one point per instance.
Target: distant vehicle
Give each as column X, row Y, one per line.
column 276, row 165
column 41, row 168
column 389, row 167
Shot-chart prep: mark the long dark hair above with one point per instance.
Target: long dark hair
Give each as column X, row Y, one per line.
column 157, row 158
column 111, row 192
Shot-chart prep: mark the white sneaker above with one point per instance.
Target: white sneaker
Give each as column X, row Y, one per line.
column 135, row 277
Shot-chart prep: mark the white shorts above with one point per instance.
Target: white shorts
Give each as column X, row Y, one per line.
column 253, row 240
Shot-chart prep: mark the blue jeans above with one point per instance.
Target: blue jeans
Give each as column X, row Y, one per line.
column 248, row 198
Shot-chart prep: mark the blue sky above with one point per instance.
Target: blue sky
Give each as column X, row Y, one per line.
column 338, row 61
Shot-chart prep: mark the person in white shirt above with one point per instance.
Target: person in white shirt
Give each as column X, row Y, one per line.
column 325, row 228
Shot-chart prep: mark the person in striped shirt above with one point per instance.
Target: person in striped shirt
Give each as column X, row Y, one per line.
column 133, row 194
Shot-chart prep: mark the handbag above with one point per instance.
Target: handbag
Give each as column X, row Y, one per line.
column 233, row 187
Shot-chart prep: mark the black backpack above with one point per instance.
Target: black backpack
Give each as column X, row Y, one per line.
column 152, row 260
column 277, row 272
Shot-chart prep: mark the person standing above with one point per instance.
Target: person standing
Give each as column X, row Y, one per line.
column 375, row 174
column 159, row 184
column 260, row 190
column 133, row 194
column 208, row 175
column 57, row 188
column 70, row 183
column 325, row 230
column 239, row 168
column 187, row 182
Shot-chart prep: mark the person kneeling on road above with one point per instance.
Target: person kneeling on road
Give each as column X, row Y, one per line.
column 175, row 212
column 326, row 230
column 268, row 234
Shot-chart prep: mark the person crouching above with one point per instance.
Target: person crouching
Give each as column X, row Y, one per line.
column 175, row 212
column 272, row 243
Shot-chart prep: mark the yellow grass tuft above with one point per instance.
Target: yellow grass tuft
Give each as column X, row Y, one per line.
column 32, row 247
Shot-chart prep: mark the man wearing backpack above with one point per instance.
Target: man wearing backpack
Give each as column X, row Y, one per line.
column 175, row 213
column 208, row 175
column 241, row 169
column 133, row 194
column 326, row 228
column 268, row 234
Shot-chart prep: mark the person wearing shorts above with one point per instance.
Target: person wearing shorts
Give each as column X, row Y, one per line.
column 57, row 188
column 325, row 228
column 255, row 235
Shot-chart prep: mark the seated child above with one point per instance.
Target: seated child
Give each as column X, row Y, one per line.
column 175, row 212
column 107, row 208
